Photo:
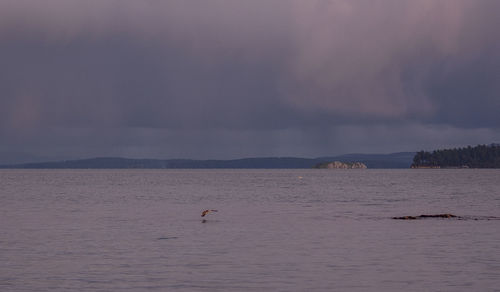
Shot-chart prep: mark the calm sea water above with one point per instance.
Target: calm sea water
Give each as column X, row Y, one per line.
column 276, row 230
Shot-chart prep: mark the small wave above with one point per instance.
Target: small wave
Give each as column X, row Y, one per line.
column 168, row 237
column 479, row 218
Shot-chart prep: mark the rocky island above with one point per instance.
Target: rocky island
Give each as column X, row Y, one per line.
column 340, row 165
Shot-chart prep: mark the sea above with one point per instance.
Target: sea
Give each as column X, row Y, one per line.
column 274, row 230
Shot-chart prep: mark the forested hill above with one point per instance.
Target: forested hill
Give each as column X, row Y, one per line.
column 481, row 156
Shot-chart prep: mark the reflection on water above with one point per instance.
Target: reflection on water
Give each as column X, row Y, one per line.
column 276, row 230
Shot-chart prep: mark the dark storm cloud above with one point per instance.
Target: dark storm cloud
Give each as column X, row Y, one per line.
column 245, row 78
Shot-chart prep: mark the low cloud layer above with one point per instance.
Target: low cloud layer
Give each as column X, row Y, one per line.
column 225, row 79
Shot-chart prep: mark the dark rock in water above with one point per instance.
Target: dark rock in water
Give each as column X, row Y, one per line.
column 439, row 216
column 405, row 218
column 446, row 215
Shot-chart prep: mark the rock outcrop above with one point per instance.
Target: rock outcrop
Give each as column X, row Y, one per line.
column 448, row 216
column 426, row 216
column 341, row 165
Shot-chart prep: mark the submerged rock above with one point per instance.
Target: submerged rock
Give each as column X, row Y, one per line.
column 446, row 215
column 439, row 216
column 405, row 218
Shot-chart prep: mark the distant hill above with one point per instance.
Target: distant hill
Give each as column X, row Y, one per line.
column 20, row 157
column 395, row 160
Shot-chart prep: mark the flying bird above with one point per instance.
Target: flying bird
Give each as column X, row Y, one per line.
column 204, row 213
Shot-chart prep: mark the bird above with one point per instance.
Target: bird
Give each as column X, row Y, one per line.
column 204, row 213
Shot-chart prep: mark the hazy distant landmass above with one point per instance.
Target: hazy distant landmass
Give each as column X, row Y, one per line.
column 480, row 156
column 394, row 160
column 21, row 157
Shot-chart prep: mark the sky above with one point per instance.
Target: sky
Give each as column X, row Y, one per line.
column 223, row 79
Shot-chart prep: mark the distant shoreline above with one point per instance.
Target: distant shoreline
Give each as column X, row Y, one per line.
column 382, row 161
column 480, row 156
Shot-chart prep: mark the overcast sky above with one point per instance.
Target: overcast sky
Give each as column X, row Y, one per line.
column 229, row 79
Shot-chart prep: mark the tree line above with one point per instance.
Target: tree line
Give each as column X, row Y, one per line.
column 480, row 156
